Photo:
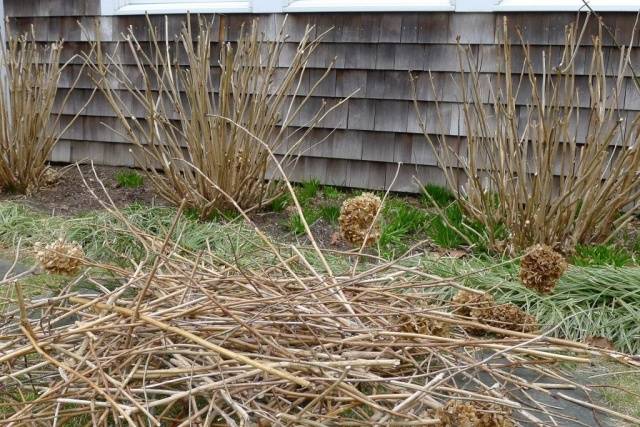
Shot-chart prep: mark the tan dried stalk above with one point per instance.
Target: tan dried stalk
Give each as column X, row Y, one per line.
column 29, row 77
column 184, row 141
column 525, row 169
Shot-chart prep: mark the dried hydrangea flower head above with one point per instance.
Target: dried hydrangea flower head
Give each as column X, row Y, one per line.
column 59, row 257
column 358, row 217
column 506, row 316
column 541, row 268
column 464, row 302
column 417, row 324
column 484, row 309
column 49, row 177
column 472, row 414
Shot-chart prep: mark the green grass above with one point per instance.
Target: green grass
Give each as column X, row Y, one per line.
column 442, row 231
column 313, row 209
column 618, row 387
column 442, row 196
column 599, row 255
column 401, row 222
column 23, row 396
column 332, row 193
column 19, row 397
column 451, row 229
column 34, row 286
column 404, row 223
column 307, row 191
column 105, row 239
column 129, row 179
column 295, row 225
column 330, row 213
column 280, row 203
column 588, row 301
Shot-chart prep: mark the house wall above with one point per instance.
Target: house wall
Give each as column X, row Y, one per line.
column 373, row 52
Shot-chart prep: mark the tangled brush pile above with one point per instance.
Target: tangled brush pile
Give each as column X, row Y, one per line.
column 472, row 414
column 59, row 257
column 541, row 268
column 358, row 220
column 180, row 339
column 483, row 308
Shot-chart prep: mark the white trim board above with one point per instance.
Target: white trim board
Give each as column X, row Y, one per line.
column 368, row 6
column 140, row 7
column 567, row 6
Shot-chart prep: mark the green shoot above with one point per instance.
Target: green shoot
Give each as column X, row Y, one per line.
column 129, row 179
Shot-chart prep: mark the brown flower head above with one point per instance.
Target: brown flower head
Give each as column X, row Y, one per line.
column 484, row 309
column 357, row 216
column 541, row 268
column 464, row 302
column 417, row 324
column 59, row 257
column 506, row 316
column 472, row 414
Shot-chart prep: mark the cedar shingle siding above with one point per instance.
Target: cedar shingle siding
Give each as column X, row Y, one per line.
column 372, row 51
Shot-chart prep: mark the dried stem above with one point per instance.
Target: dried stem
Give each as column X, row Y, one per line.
column 558, row 166
column 29, row 130
column 184, row 142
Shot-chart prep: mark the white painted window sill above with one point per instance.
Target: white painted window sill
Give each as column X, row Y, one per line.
column 368, row 6
column 128, row 7
column 567, row 6
column 177, row 8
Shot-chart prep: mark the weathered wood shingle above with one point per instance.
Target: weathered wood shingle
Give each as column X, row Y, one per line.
column 361, row 143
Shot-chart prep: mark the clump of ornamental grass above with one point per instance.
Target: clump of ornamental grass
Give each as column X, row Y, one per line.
column 59, row 257
column 29, row 130
column 472, row 414
column 210, row 128
column 358, row 219
column 546, row 160
column 598, row 301
column 541, row 268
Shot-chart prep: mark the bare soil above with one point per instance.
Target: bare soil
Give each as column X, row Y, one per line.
column 69, row 195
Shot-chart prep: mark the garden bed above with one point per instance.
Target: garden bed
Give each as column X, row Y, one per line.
column 601, row 279
column 69, row 195
column 232, row 299
column 593, row 305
